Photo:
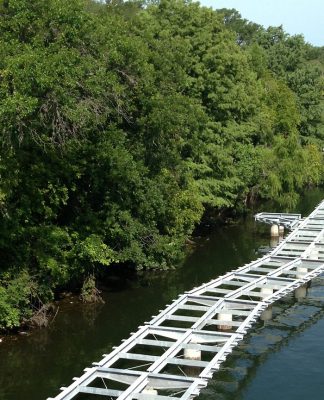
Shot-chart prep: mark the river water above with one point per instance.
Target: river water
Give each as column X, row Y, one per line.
column 282, row 358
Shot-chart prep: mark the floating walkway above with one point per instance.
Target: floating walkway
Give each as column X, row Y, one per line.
column 176, row 353
column 289, row 221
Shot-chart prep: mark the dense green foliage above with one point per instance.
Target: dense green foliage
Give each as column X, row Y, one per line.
column 122, row 123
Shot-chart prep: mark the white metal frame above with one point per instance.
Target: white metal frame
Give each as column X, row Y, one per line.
column 193, row 322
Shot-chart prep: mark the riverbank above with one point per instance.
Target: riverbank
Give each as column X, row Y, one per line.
column 114, row 155
column 119, row 277
column 81, row 333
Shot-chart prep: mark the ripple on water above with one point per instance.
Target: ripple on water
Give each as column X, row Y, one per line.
column 281, row 358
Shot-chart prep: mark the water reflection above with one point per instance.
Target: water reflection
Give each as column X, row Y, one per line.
column 276, row 359
column 34, row 367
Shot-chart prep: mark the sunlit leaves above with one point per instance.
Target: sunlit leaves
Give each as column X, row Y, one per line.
column 120, row 124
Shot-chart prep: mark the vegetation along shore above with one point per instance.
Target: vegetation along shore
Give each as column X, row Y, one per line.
column 123, row 124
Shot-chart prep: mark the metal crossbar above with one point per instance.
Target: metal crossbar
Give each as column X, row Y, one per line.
column 179, row 350
column 289, row 221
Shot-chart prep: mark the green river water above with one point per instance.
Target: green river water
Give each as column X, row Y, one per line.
column 280, row 359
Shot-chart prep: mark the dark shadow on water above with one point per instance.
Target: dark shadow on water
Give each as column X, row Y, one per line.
column 34, row 367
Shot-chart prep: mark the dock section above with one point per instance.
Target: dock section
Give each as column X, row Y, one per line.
column 178, row 351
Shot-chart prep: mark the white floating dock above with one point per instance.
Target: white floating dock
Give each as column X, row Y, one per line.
column 176, row 353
